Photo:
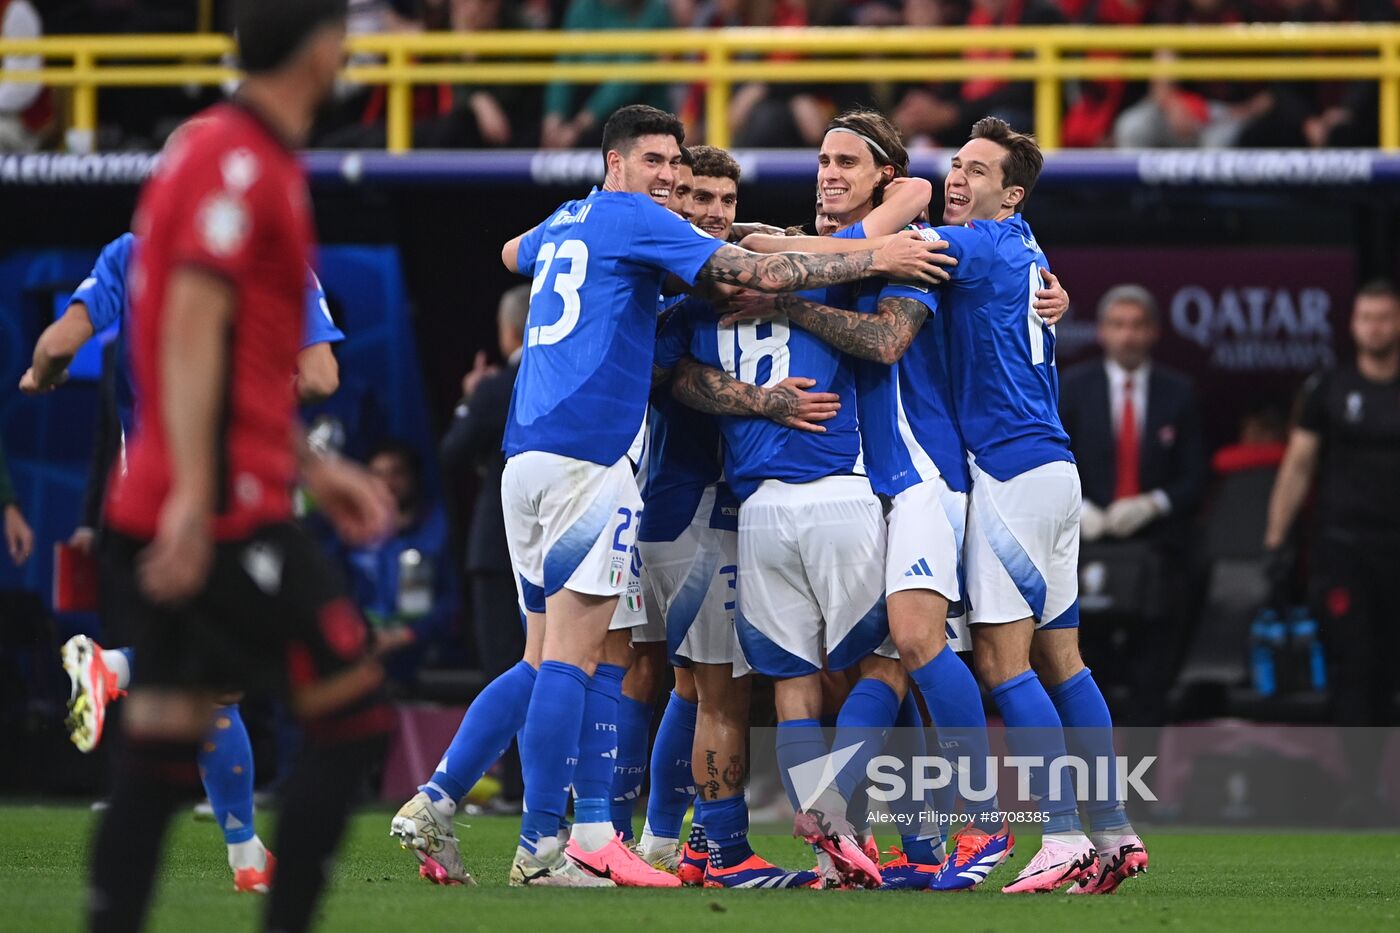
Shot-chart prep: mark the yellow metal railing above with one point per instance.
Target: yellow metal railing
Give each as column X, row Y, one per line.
column 718, row 59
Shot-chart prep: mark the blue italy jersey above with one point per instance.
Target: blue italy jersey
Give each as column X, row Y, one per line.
column 598, row 265
column 684, row 451
column 104, row 295
column 765, row 354
column 906, row 411
column 1005, row 387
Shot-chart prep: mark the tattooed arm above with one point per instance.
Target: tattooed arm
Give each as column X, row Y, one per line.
column 910, row 258
column 882, row 336
column 707, row 389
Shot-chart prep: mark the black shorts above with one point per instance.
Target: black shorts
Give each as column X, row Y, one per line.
column 272, row 619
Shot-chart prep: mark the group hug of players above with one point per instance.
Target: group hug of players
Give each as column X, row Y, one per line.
column 852, row 468
column 764, row 544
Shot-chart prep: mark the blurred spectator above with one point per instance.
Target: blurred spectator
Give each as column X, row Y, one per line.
column 1135, row 431
column 488, row 114
column 942, row 114
column 407, row 585
column 782, row 115
column 1260, row 444
column 26, row 109
column 19, row 539
column 1134, row 426
column 1346, row 433
column 1208, row 114
column 445, row 116
column 473, row 442
column 1093, row 106
column 574, row 114
column 355, row 119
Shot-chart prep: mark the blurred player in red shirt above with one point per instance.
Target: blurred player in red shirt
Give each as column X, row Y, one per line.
column 221, row 588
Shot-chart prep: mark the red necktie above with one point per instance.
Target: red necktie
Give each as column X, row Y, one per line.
column 1128, row 484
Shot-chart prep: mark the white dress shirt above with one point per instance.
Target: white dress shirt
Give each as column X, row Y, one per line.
column 1117, row 390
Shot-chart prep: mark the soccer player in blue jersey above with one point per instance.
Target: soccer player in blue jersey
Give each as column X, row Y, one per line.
column 100, row 675
column 1022, row 531
column 568, row 488
column 914, row 453
column 797, row 585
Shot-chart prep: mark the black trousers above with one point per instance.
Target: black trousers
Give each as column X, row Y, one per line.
column 1353, row 593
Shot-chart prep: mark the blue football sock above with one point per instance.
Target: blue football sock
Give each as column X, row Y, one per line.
column 1088, row 727
column 921, row 836
column 1033, row 729
column 633, row 735
column 493, row 719
column 597, row 746
column 955, row 703
column 549, row 748
column 226, row 765
column 865, row 720
column 799, row 742
column 726, row 830
column 672, row 784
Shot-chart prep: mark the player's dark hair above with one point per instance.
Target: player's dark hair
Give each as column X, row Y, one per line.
column 1023, row 160
column 713, row 162
column 687, row 158
column 875, row 128
column 1379, row 288
column 269, row 33
column 630, row 123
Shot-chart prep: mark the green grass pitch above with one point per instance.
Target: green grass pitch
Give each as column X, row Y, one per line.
column 1198, row 881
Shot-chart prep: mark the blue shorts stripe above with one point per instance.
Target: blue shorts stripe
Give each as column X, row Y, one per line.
column 862, row 640
column 1016, row 561
column 685, row 608
column 534, row 596
column 1067, row 619
column 574, row 544
column 765, row 656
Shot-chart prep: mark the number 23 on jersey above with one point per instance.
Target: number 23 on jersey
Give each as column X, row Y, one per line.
column 567, row 282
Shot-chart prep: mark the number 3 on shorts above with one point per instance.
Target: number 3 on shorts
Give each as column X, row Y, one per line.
column 566, row 286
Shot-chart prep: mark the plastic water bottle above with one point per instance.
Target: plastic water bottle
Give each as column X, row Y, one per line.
column 1261, row 653
column 1309, row 664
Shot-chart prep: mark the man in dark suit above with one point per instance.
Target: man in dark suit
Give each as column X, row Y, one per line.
column 474, row 442
column 1135, row 430
column 1134, row 427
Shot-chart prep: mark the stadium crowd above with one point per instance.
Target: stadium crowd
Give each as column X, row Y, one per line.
column 1100, row 113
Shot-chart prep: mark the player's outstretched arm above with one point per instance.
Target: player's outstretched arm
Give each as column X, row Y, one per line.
column 55, row 349
column 711, row 390
column 908, row 257
column 882, row 336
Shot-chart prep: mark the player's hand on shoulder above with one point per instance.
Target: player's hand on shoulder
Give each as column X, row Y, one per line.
column 744, row 304
column 908, row 256
column 358, row 505
column 789, row 403
column 1052, row 301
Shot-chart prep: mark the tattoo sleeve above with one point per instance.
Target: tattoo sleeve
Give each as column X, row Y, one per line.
column 882, row 337
column 714, row 391
column 785, row 272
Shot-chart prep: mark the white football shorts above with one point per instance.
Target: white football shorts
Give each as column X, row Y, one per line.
column 1022, row 553
column 571, row 524
column 811, row 576
column 691, row 585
